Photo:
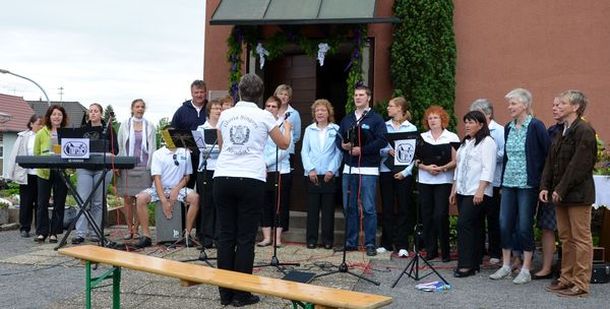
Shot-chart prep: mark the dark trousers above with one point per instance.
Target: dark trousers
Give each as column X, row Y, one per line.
column 239, row 201
column 28, row 195
column 398, row 217
column 271, row 201
column 207, row 227
column 60, row 191
column 469, row 231
column 434, row 210
column 321, row 199
column 491, row 214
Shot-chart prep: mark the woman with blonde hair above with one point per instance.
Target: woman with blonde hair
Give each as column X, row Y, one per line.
column 321, row 161
column 396, row 185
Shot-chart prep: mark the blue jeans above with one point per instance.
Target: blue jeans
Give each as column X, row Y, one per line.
column 85, row 181
column 517, row 218
column 364, row 187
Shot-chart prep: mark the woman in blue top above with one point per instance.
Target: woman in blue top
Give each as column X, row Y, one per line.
column 276, row 195
column 396, row 187
column 321, row 161
column 527, row 143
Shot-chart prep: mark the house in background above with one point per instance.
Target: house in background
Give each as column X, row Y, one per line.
column 19, row 113
column 75, row 111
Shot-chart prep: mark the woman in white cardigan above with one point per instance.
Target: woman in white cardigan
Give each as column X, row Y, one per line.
column 137, row 138
column 26, row 178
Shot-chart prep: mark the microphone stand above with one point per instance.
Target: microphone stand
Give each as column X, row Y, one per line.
column 203, row 256
column 275, row 262
column 343, row 267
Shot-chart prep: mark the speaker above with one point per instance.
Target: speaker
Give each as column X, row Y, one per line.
column 168, row 230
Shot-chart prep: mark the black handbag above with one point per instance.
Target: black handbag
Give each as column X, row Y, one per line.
column 600, row 273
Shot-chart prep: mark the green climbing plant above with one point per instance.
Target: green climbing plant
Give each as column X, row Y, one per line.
column 423, row 56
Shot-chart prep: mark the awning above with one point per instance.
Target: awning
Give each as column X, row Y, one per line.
column 297, row 12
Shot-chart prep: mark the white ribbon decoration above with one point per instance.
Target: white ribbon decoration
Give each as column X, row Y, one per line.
column 323, row 48
column 262, row 52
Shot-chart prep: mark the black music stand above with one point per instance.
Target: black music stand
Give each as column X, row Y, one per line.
column 210, row 137
column 182, row 138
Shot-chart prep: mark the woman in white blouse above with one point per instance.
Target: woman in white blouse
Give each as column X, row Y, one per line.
column 321, row 161
column 474, row 173
column 435, row 177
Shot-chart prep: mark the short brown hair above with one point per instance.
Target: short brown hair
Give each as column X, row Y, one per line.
column 437, row 110
column 208, row 107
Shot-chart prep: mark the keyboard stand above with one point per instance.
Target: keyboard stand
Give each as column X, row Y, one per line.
column 84, row 208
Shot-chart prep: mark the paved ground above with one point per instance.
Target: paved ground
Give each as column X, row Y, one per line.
column 35, row 276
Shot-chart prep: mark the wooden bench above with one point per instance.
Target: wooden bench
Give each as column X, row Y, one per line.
column 301, row 294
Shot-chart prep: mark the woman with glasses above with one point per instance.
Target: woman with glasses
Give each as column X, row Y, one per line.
column 278, row 168
column 205, row 183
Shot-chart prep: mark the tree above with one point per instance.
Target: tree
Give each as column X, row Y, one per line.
column 423, row 55
column 163, row 122
column 109, row 111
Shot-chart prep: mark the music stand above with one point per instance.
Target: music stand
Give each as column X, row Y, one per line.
column 175, row 138
column 210, row 137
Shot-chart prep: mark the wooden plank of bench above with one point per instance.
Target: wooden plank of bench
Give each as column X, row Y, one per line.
column 193, row 274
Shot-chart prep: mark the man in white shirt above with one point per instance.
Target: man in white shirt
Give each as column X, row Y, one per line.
column 171, row 170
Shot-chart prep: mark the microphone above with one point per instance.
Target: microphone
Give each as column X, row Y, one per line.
column 286, row 115
column 366, row 111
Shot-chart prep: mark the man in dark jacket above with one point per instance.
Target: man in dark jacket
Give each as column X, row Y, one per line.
column 361, row 136
column 567, row 181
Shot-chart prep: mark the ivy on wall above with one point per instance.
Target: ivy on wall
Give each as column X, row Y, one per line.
column 276, row 44
column 423, row 56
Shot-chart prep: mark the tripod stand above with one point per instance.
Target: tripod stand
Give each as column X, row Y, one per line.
column 412, row 268
column 275, row 262
column 343, row 268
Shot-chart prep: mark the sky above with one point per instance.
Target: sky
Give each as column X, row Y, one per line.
column 110, row 52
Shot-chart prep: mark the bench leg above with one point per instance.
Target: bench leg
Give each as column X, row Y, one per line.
column 298, row 304
column 91, row 283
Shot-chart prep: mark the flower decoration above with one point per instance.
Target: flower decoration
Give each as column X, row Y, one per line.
column 262, row 52
column 323, row 48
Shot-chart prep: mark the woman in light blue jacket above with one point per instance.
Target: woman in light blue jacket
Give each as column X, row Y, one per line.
column 321, row 161
column 278, row 180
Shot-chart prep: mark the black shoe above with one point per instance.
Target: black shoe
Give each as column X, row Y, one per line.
column 77, row 240
column 53, row 239
column 40, row 238
column 245, row 301
column 328, row 246
column 464, row 273
column 311, row 246
column 371, row 251
column 25, row 234
column 347, row 248
column 543, row 277
column 430, row 257
column 144, row 242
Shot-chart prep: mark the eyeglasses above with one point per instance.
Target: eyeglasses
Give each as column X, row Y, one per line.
column 271, row 106
column 175, row 160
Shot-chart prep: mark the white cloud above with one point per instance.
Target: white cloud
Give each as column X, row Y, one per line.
column 109, row 52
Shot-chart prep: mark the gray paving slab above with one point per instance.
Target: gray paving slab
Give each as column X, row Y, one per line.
column 36, row 276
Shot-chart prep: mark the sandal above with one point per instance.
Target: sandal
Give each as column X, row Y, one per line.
column 264, row 243
column 40, row 238
column 53, row 238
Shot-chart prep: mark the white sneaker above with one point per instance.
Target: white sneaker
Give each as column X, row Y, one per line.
column 381, row 250
column 503, row 272
column 403, row 253
column 494, row 261
column 523, row 277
